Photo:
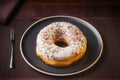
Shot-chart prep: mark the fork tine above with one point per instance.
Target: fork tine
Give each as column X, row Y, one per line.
column 12, row 34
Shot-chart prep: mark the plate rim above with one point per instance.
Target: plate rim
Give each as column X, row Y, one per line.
column 58, row 74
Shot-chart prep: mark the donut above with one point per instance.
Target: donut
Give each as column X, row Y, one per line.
column 60, row 56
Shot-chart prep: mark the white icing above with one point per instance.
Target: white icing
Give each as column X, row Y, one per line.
column 48, row 35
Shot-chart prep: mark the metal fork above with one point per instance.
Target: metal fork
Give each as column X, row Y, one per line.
column 12, row 39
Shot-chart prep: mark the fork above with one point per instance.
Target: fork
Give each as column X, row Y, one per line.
column 12, row 39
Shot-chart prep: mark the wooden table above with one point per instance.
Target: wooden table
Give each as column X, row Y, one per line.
column 105, row 16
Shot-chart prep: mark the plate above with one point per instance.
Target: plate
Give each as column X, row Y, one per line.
column 93, row 53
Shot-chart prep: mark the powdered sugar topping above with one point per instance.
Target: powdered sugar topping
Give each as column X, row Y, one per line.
column 53, row 32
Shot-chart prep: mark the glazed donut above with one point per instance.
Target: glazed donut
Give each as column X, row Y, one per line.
column 55, row 55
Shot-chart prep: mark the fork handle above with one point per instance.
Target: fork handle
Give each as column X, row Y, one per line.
column 12, row 60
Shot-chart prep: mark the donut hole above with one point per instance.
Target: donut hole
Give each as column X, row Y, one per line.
column 61, row 44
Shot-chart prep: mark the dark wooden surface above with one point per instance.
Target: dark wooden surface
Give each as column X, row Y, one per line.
column 104, row 15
